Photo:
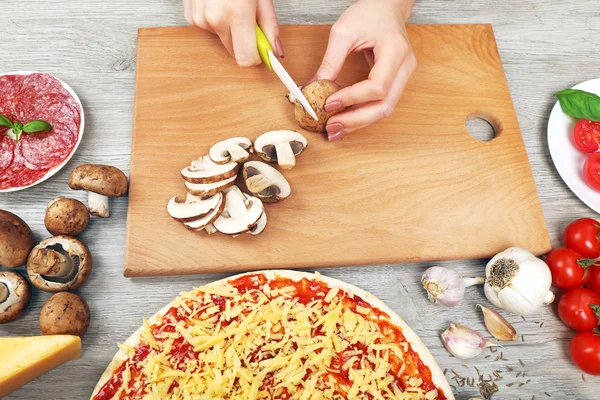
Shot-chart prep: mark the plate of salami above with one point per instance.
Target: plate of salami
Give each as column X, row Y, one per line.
column 29, row 158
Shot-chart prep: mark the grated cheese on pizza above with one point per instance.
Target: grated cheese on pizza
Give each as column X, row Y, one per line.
column 259, row 338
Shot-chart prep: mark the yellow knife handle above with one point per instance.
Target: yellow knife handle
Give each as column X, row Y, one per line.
column 263, row 46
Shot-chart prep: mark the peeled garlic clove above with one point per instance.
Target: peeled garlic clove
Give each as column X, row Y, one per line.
column 446, row 286
column 463, row 342
column 495, row 323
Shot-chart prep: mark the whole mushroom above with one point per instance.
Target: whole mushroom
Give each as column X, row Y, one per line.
column 64, row 314
column 16, row 240
column 59, row 263
column 316, row 93
column 14, row 296
column 101, row 182
column 66, row 216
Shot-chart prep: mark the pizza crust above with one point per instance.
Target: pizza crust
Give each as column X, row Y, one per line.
column 437, row 376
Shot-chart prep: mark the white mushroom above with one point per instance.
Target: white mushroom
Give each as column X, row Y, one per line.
column 206, row 190
column 280, row 146
column 14, row 296
column 210, row 229
column 236, row 149
column 262, row 222
column 193, row 208
column 240, row 214
column 204, row 170
column 265, row 182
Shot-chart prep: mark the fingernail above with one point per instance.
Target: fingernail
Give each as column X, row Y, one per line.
column 311, row 80
column 334, row 127
column 279, row 48
column 334, row 105
column 336, row 136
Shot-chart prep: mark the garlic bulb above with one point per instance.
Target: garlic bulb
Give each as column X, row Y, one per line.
column 517, row 281
column 463, row 342
column 446, row 286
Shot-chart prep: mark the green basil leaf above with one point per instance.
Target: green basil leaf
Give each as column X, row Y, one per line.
column 580, row 104
column 17, row 128
column 36, row 126
column 4, row 121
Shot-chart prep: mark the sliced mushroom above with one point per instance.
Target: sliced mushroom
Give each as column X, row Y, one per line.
column 66, row 216
column 262, row 222
column 14, row 296
column 101, row 182
column 193, row 208
column 59, row 263
column 281, row 147
column 210, row 228
column 206, row 222
column 206, row 190
column 204, row 170
column 265, row 182
column 236, row 149
column 240, row 214
column 16, row 240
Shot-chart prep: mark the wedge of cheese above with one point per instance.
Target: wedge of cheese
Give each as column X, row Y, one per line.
column 22, row 359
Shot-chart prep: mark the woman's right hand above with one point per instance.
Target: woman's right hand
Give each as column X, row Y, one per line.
column 234, row 22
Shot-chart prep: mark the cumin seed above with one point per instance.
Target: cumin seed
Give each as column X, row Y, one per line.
column 456, row 373
column 493, row 349
column 509, row 369
column 521, row 384
column 465, row 366
column 521, row 362
column 547, row 394
column 523, row 338
column 510, row 384
column 445, row 371
column 582, row 377
column 542, row 324
column 488, row 356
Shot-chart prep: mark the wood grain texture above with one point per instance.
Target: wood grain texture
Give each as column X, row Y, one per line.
column 545, row 46
column 417, row 178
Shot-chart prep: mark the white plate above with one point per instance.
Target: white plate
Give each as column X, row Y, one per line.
column 567, row 159
column 57, row 168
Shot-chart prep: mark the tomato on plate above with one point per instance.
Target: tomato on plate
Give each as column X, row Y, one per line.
column 569, row 269
column 586, row 135
column 583, row 236
column 591, row 171
column 585, row 352
column 580, row 309
column 593, row 282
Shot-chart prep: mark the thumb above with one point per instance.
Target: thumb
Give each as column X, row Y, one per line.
column 338, row 48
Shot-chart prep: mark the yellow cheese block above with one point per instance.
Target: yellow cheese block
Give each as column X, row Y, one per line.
column 22, row 359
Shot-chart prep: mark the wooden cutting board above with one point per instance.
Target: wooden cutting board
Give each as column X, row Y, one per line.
column 413, row 187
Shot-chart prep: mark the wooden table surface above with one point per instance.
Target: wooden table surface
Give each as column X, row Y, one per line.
column 546, row 45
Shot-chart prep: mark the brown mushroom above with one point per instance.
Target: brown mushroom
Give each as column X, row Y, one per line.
column 16, row 240
column 64, row 314
column 59, row 263
column 101, row 182
column 316, row 93
column 14, row 296
column 66, row 216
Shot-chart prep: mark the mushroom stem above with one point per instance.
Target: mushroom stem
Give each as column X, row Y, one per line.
column 257, row 183
column 98, row 204
column 4, row 292
column 285, row 155
column 50, row 262
column 237, row 153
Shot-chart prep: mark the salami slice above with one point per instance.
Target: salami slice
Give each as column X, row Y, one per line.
column 10, row 85
column 7, row 149
column 18, row 175
column 44, row 150
column 44, row 83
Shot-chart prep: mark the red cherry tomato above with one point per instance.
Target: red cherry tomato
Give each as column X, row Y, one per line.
column 594, row 281
column 586, row 136
column 583, row 236
column 569, row 269
column 585, row 352
column 579, row 309
column 591, row 171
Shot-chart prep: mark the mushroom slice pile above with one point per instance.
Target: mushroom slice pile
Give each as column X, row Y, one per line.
column 280, row 146
column 59, row 263
column 193, row 208
column 205, row 170
column 265, row 182
column 240, row 214
column 206, row 190
column 235, row 149
column 14, row 295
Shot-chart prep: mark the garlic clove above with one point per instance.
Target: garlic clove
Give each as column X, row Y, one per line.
column 446, row 286
column 499, row 327
column 463, row 342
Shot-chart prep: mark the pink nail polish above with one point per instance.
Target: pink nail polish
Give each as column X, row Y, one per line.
column 334, row 127
column 279, row 48
column 336, row 136
column 334, row 105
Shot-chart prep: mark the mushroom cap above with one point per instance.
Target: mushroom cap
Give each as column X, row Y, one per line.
column 272, row 185
column 316, row 93
column 205, row 170
column 221, row 152
column 16, row 289
column 66, row 216
column 240, row 214
column 56, row 254
column 64, row 314
column 16, row 240
column 102, row 179
column 193, row 207
column 206, row 190
column 265, row 144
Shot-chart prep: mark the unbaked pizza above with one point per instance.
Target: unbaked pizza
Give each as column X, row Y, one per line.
column 274, row 335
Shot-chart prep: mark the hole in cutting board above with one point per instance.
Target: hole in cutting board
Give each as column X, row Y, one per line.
column 481, row 128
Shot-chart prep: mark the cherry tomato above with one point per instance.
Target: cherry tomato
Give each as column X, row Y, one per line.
column 586, row 136
column 591, row 171
column 579, row 309
column 594, row 281
column 585, row 352
column 569, row 269
column 583, row 236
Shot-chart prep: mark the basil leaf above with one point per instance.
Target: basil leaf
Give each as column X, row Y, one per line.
column 17, row 128
column 4, row 121
column 580, row 104
column 36, row 126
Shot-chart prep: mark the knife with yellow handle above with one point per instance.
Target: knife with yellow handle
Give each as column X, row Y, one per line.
column 266, row 53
